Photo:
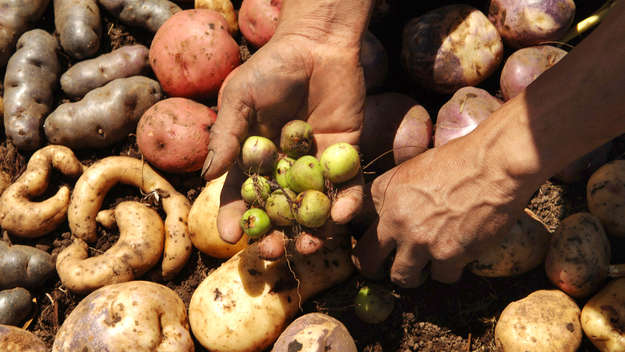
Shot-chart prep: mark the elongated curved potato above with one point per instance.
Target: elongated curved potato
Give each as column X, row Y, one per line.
column 79, row 26
column 148, row 14
column 247, row 302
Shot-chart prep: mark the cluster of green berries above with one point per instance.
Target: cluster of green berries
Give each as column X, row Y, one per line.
column 287, row 186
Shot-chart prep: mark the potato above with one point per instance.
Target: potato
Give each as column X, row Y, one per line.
column 461, row 114
column 15, row 305
column 139, row 316
column 87, row 75
column 604, row 196
column 531, row 22
column 192, row 53
column 24, row 266
column 173, row 134
column 203, row 223
column 105, row 116
column 374, row 61
column 450, row 47
column 580, row 169
column 31, row 76
column 315, row 332
column 258, row 20
column 393, row 121
column 147, row 14
column 525, row 65
column 579, row 255
column 518, row 251
column 79, row 26
column 15, row 19
column 247, row 302
column 19, row 340
column 137, row 250
column 225, row 8
column 545, row 321
column 603, row 316
column 100, row 177
column 23, row 217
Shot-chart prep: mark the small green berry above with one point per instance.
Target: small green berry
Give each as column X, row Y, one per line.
column 340, row 162
column 255, row 222
column 306, row 173
column 282, row 168
column 255, row 190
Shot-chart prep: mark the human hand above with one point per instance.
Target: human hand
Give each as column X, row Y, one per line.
column 291, row 77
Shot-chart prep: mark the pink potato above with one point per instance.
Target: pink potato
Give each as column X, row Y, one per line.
column 461, row 114
column 258, row 20
column 525, row 65
column 173, row 134
column 524, row 23
column 192, row 53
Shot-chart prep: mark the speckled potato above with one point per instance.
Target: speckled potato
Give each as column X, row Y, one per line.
column 545, row 320
column 315, row 332
column 79, row 25
column 603, row 315
column 104, row 116
column 203, row 223
column 19, row 340
column 579, row 255
column 31, row 77
column 518, row 251
column 450, row 47
column 15, row 19
column 605, row 197
column 258, row 20
column 192, row 53
column 24, row 266
column 138, row 316
column 524, row 23
column 15, row 305
column 84, row 76
column 173, row 134
column 246, row 303
column 147, row 14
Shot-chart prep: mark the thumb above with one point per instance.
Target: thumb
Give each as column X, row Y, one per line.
column 228, row 131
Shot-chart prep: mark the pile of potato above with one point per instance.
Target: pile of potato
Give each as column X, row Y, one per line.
column 66, row 96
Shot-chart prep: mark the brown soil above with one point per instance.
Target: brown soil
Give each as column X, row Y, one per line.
column 433, row 317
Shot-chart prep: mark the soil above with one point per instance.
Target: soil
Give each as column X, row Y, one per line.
column 432, row 317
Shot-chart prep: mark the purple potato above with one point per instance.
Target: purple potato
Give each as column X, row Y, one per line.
column 374, row 61
column 525, row 65
column 466, row 109
column 79, row 25
column 524, row 23
column 16, row 18
column 451, row 47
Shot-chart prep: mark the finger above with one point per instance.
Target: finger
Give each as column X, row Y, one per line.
column 348, row 201
column 231, row 207
column 371, row 251
column 408, row 266
column 448, row 271
column 367, row 214
column 272, row 246
column 228, row 131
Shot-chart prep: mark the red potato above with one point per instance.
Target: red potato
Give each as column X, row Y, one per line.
column 466, row 109
column 374, row 61
column 258, row 20
column 450, row 47
column 525, row 65
column 524, row 23
column 173, row 134
column 192, row 53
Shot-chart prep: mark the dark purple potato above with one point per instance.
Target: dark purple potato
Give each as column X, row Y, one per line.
column 451, row 47
column 466, row 109
column 524, row 23
column 583, row 167
column 393, row 121
column 525, row 65
column 374, row 61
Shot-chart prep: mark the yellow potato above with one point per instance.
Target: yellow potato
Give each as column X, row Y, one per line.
column 225, row 8
column 203, row 223
column 15, row 339
column 603, row 317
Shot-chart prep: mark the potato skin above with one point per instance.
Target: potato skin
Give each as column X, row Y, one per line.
column 87, row 75
column 139, row 316
column 79, row 26
column 225, row 8
column 15, row 305
column 545, row 320
column 15, row 19
column 105, row 116
column 603, row 316
column 147, row 14
column 450, row 47
column 19, row 340
column 192, row 53
column 315, row 332
column 604, row 195
column 24, row 266
column 173, row 134
column 374, row 61
column 258, row 20
column 32, row 74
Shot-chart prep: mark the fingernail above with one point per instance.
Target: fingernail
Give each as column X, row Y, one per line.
column 207, row 162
